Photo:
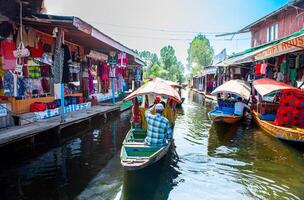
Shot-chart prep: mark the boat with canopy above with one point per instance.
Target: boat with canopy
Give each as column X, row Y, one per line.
column 135, row 153
column 177, row 87
column 232, row 89
column 279, row 109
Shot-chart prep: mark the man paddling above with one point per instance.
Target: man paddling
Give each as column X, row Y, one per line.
column 158, row 130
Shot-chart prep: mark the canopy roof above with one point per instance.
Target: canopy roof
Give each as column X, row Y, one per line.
column 266, row 86
column 249, row 55
column 171, row 83
column 237, row 87
column 156, row 87
column 81, row 33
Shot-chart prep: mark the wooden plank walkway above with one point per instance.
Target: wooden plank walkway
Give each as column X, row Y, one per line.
column 17, row 133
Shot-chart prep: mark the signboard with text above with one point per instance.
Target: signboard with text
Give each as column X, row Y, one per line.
column 291, row 45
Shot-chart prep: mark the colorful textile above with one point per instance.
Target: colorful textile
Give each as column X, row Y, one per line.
column 293, row 74
column 105, row 70
column 158, row 130
column 66, row 58
column 21, row 87
column 122, row 60
column 91, row 82
column 263, row 68
column 283, row 67
column 29, row 37
column 291, row 109
column 8, row 84
column 258, row 69
column 6, row 50
column 34, row 72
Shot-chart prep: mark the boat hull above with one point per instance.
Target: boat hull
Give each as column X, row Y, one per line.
column 284, row 133
column 229, row 119
column 136, row 155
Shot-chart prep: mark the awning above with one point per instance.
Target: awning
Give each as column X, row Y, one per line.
column 171, row 83
column 267, row 86
column 81, row 33
column 156, row 87
column 292, row 43
column 237, row 87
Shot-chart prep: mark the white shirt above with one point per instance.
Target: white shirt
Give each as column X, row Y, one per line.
column 280, row 76
column 239, row 108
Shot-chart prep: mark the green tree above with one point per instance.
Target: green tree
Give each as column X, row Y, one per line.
column 150, row 59
column 200, row 53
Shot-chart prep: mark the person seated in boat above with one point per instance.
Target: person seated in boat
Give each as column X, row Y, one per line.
column 239, row 107
column 158, row 130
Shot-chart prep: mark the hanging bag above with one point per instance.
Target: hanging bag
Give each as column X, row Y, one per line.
column 21, row 51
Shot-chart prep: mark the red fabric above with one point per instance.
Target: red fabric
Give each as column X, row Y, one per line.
column 136, row 112
column 6, row 50
column 37, row 106
column 105, row 70
column 258, row 69
column 51, row 105
column 291, row 109
column 36, row 53
column 79, row 100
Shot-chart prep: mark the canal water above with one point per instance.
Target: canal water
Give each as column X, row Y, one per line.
column 208, row 162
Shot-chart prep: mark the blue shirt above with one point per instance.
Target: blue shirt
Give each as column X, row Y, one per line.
column 158, row 130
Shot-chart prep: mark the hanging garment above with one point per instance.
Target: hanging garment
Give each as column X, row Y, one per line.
column 105, row 70
column 297, row 62
column 45, row 83
column 283, row 67
column 258, row 69
column 45, row 70
column 28, row 85
column 36, row 86
column 263, row 68
column 29, row 36
column 293, row 74
column 8, row 84
column 112, row 59
column 122, row 60
column 66, row 58
column 21, row 87
column 91, row 82
column 6, row 50
column 36, row 52
column 34, row 72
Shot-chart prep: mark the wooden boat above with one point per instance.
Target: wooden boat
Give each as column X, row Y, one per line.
column 265, row 87
column 285, row 133
column 226, row 114
column 135, row 153
column 220, row 116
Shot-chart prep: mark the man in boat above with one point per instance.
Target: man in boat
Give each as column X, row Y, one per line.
column 239, row 107
column 158, row 130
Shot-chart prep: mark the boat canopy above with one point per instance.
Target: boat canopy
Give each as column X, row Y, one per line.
column 156, row 87
column 171, row 83
column 265, row 86
column 237, row 87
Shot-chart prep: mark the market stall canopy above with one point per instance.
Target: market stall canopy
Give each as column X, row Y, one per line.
column 265, row 86
column 156, row 87
column 237, row 87
column 80, row 33
column 171, row 83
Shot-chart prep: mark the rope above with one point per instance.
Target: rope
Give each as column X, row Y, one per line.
column 20, row 16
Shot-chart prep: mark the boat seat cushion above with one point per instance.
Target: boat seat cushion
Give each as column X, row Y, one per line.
column 227, row 109
column 267, row 117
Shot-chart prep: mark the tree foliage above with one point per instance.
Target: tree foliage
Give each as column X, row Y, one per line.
column 167, row 67
column 200, row 53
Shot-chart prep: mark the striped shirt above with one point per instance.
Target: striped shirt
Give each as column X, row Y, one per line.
column 158, row 130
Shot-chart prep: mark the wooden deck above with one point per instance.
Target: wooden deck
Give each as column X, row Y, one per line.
column 16, row 133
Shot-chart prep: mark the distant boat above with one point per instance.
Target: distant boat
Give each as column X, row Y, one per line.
column 224, row 112
column 266, row 88
column 135, row 153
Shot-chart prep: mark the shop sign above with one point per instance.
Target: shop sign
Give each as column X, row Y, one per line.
column 282, row 48
column 220, row 57
column 3, row 110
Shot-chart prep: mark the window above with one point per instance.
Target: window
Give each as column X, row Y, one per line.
column 272, row 32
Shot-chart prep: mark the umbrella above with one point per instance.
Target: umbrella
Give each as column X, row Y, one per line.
column 156, row 87
column 237, row 87
column 171, row 83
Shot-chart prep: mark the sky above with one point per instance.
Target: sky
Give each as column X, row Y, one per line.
column 153, row 24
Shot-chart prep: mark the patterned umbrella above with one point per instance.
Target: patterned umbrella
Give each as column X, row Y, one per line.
column 156, row 87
